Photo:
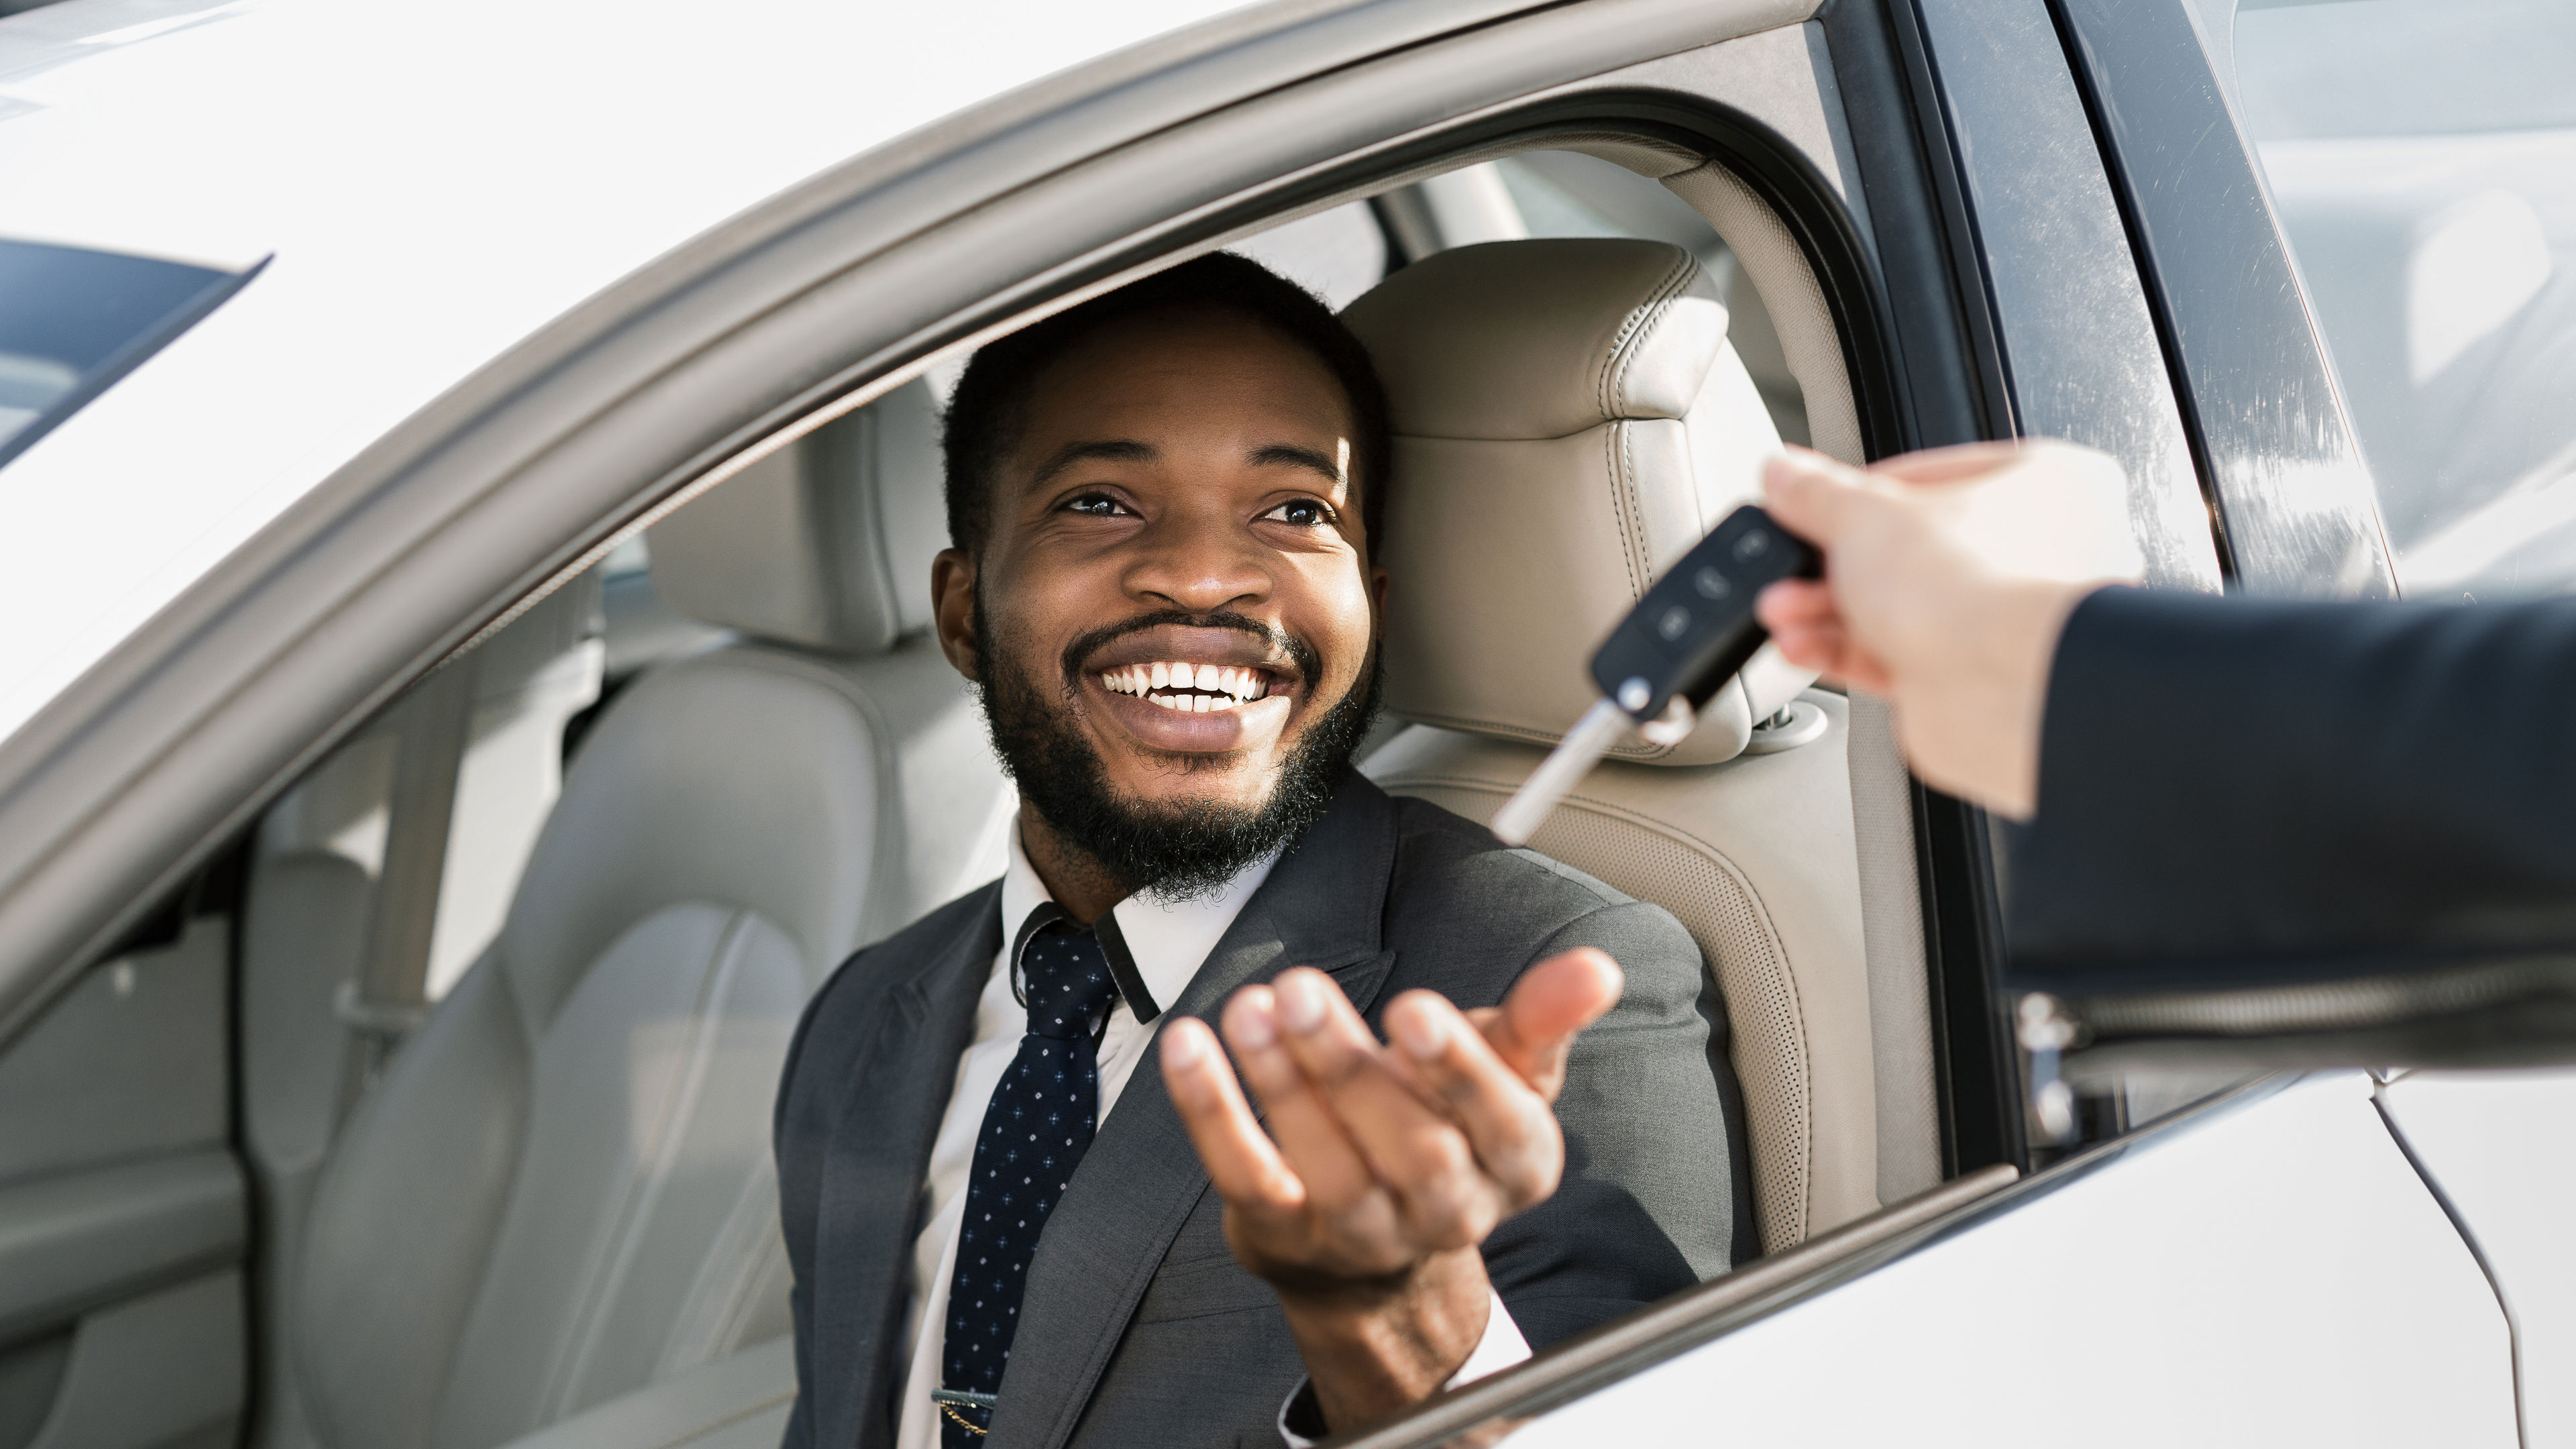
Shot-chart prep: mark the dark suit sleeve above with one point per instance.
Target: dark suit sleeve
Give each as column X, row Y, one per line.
column 1653, row 1199
column 2307, row 785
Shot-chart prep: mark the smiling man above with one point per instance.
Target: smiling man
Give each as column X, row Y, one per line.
column 1003, row 1231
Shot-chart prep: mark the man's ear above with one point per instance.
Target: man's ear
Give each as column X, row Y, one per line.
column 952, row 606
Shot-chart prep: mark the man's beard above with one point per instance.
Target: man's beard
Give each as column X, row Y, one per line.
column 1183, row 849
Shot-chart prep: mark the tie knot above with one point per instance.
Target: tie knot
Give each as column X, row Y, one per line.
column 1069, row 985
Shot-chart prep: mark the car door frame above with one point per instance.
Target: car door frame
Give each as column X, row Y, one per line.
column 529, row 471
column 2237, row 329
column 771, row 324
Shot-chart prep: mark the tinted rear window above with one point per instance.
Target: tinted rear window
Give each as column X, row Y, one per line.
column 73, row 321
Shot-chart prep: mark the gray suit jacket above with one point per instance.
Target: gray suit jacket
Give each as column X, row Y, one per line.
column 1139, row 1329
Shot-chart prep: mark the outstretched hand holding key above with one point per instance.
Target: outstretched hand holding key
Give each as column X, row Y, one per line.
column 1949, row 576
column 1943, row 581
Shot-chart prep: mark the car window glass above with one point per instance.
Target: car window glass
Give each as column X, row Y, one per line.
column 73, row 320
column 1567, row 193
column 631, row 557
column 1335, row 254
column 2422, row 158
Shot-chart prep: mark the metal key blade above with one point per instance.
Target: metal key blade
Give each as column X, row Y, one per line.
column 1601, row 729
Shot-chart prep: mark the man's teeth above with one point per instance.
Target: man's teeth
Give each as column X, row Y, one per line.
column 1189, row 688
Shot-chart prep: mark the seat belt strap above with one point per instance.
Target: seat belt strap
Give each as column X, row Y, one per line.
column 385, row 999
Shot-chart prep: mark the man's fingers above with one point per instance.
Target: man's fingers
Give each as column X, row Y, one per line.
column 1551, row 1003
column 1516, row 1140
column 1244, row 1166
column 1811, row 495
column 1821, row 643
column 1309, row 1132
column 1795, row 603
column 1802, row 620
column 1409, row 1141
column 1958, row 463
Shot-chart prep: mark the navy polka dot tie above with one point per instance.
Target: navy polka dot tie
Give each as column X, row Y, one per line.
column 1035, row 1131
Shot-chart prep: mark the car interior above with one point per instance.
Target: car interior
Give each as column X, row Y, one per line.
column 490, row 1006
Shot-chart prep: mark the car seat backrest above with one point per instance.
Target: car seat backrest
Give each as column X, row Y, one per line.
column 826, row 542
column 1570, row 418
column 561, row 1191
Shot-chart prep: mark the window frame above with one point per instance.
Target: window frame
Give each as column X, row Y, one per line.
column 808, row 305
column 529, row 473
column 2259, row 393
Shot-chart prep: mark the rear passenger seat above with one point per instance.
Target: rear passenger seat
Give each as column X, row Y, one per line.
column 560, row 1192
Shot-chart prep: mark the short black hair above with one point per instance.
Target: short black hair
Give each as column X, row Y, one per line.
column 984, row 414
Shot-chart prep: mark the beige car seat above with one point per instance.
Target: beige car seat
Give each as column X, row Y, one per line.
column 1569, row 419
column 561, row 1191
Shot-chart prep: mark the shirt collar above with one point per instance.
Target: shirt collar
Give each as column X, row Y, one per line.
column 1169, row 940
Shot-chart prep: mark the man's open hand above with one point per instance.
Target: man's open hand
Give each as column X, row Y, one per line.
column 1384, row 1166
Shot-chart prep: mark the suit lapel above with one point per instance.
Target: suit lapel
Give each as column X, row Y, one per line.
column 893, row 1097
column 1141, row 1179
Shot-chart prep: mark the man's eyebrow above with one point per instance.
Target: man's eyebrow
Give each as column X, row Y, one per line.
column 1296, row 457
column 1109, row 450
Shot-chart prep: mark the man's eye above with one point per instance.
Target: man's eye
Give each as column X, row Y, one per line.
column 1097, row 505
column 1301, row 513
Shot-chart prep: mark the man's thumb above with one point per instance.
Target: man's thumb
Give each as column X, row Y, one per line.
column 1810, row 494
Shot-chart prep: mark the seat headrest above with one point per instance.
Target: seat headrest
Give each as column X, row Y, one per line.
column 825, row 543
column 1569, row 419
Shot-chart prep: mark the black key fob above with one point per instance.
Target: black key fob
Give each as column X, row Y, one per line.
column 1695, row 628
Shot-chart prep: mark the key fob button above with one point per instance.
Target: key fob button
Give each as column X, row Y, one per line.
column 1711, row 584
column 1674, row 624
column 1753, row 545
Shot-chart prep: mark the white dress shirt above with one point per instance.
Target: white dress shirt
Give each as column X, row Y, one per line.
column 1169, row 942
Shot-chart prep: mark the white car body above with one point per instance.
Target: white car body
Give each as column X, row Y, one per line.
column 427, row 187
column 424, row 189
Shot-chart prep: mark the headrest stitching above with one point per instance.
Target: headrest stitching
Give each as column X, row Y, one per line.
column 1685, row 270
column 1641, row 562
column 1630, row 499
column 1612, row 437
column 1640, row 325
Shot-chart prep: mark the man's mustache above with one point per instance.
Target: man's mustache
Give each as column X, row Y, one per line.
column 1310, row 663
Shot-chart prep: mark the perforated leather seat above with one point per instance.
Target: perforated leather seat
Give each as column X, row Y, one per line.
column 1569, row 419
column 561, row 1191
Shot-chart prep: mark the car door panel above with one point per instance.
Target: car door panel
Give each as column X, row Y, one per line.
column 71, row 1242
column 163, row 1370
column 2277, row 1274
column 123, row 1217
column 129, row 1061
column 2502, row 1147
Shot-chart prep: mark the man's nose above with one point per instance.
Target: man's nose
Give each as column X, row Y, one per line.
column 1201, row 562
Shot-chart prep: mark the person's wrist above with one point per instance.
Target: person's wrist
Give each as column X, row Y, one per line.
column 2032, row 618
column 1971, row 715
column 1376, row 1345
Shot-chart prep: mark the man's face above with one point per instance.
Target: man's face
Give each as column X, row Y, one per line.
column 1179, row 498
